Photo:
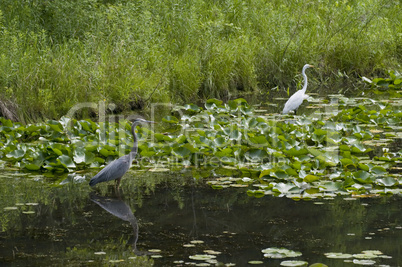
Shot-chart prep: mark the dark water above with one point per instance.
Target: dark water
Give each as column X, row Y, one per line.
column 155, row 214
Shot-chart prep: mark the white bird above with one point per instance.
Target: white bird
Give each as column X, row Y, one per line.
column 297, row 98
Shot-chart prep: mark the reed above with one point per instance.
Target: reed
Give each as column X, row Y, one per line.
column 55, row 54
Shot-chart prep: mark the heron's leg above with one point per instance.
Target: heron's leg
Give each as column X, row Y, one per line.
column 117, row 184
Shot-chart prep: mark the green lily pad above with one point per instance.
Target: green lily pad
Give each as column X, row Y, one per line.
column 294, row 263
column 378, row 170
column 202, row 257
column 318, row 265
column 363, row 177
column 337, row 255
column 285, row 188
column 170, row 119
column 181, row 152
column 66, row 161
column 310, row 178
column 279, row 253
column 29, row 212
column 255, row 262
column 387, row 181
column 16, row 154
column 10, row 208
column 364, row 262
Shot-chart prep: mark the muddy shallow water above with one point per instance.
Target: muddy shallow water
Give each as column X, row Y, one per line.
column 168, row 218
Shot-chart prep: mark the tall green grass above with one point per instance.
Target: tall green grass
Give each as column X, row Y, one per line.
column 54, row 54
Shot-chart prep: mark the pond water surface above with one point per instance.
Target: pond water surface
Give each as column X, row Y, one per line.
column 168, row 218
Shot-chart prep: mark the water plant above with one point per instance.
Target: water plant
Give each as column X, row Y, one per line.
column 346, row 151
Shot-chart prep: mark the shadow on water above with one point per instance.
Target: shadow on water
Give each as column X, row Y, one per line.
column 177, row 218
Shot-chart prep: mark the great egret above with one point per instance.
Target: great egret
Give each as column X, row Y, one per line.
column 297, row 98
column 117, row 168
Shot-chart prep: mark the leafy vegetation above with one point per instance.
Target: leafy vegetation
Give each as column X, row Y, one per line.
column 393, row 84
column 352, row 149
column 55, row 54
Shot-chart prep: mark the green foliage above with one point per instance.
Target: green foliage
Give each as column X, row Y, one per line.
column 63, row 145
column 393, row 84
column 55, row 54
column 306, row 158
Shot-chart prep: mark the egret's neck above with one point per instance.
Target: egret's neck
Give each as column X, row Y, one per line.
column 305, row 82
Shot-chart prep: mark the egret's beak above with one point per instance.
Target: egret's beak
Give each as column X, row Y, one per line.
column 311, row 66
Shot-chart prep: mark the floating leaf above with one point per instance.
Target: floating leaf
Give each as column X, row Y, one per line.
column 364, row 262
column 310, row 178
column 363, row 177
column 16, row 154
column 337, row 255
column 296, row 152
column 256, row 154
column 155, row 250
column 10, row 208
column 294, row 263
column 280, row 174
column 192, row 107
column 202, row 257
column 387, row 181
column 170, row 119
column 330, row 186
column 378, row 170
column 66, row 161
column 255, row 262
column 279, row 253
column 318, row 265
column 181, row 152
column 285, row 188
column 29, row 212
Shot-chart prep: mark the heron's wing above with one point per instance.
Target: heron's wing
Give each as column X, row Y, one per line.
column 114, row 170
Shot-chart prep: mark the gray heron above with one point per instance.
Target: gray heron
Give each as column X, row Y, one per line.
column 117, row 168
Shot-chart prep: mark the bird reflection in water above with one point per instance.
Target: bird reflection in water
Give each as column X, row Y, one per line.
column 117, row 207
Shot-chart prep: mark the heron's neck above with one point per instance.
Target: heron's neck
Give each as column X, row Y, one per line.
column 134, row 150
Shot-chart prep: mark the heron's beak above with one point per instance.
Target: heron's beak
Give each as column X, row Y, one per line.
column 311, row 66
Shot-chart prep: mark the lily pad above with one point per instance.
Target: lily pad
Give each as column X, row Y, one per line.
column 10, row 208
column 364, row 262
column 294, row 263
column 337, row 255
column 202, row 257
column 279, row 253
column 255, row 262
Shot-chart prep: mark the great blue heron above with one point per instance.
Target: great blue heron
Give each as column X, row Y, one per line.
column 297, row 98
column 117, row 168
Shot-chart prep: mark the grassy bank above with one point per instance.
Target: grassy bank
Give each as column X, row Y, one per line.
column 54, row 54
